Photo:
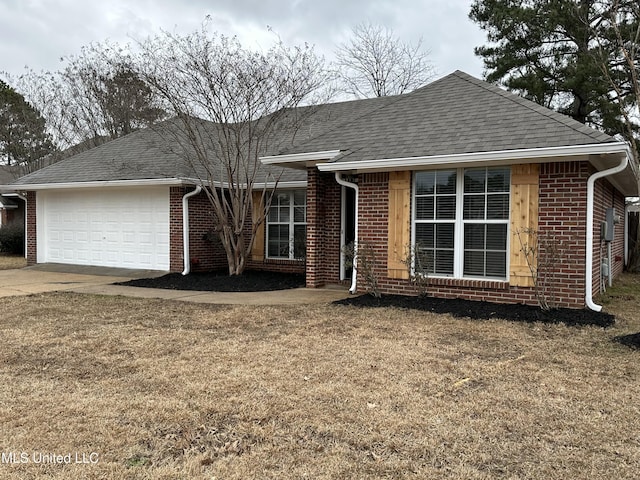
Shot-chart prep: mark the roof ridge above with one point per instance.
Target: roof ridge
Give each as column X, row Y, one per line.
column 537, row 108
column 389, row 100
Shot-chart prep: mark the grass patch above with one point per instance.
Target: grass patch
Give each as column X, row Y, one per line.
column 162, row 389
column 10, row 262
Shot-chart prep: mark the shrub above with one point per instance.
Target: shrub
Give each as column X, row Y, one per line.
column 12, row 239
column 419, row 263
column 364, row 258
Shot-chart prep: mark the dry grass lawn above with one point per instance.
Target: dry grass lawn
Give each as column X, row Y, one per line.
column 9, row 262
column 159, row 389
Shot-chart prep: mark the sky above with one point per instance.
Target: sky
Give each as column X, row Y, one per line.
column 37, row 33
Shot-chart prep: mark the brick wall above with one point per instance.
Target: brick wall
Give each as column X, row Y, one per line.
column 323, row 229
column 605, row 196
column 562, row 215
column 205, row 249
column 31, row 229
column 175, row 229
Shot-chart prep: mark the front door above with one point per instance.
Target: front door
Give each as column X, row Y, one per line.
column 348, row 232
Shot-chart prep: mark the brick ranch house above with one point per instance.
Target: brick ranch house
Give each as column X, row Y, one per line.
column 458, row 166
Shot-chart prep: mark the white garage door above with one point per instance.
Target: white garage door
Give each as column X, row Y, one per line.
column 126, row 228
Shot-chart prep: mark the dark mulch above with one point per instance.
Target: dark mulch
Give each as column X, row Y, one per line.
column 632, row 340
column 257, row 281
column 485, row 310
column 221, row 281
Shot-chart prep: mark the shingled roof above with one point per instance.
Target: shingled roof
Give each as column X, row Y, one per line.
column 152, row 153
column 454, row 115
column 457, row 114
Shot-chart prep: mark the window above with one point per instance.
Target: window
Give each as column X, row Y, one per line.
column 461, row 222
column 287, row 225
column 435, row 215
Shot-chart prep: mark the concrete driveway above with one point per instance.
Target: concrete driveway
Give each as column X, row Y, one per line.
column 99, row 280
column 54, row 277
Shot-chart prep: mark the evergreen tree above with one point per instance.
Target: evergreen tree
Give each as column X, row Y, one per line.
column 23, row 138
column 553, row 52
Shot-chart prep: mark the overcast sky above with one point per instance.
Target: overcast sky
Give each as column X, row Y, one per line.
column 36, row 33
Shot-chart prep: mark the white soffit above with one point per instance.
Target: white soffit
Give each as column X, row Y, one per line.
column 299, row 160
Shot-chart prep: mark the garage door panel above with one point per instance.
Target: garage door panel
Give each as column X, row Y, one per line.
column 105, row 227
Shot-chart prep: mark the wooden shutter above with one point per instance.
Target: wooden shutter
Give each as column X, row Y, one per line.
column 524, row 215
column 399, row 223
column 257, row 250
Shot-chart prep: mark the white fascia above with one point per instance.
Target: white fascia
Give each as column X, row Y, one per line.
column 294, row 158
column 262, row 185
column 280, row 185
column 505, row 156
column 99, row 184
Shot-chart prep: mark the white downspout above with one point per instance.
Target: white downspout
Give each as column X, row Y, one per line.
column 588, row 294
column 185, row 228
column 354, row 273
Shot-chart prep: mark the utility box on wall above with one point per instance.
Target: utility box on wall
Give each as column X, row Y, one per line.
column 610, row 221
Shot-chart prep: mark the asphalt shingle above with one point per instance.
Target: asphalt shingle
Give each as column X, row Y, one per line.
column 453, row 115
column 456, row 114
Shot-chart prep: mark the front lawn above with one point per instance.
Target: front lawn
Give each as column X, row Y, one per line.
column 160, row 389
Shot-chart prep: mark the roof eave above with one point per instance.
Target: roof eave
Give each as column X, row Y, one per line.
column 146, row 182
column 545, row 154
column 597, row 154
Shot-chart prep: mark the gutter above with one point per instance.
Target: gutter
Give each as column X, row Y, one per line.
column 96, row 184
column 185, row 228
column 506, row 156
column 588, row 294
column 354, row 273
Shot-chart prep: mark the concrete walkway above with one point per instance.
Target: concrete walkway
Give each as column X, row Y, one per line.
column 98, row 280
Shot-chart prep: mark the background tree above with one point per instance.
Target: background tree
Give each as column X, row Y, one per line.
column 622, row 18
column 621, row 65
column 550, row 51
column 97, row 96
column 23, row 138
column 231, row 105
column 375, row 63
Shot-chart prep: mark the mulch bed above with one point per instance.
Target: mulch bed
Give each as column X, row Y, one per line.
column 632, row 341
column 485, row 310
column 221, row 281
column 257, row 281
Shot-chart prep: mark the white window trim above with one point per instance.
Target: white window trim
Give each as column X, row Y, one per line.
column 458, row 233
column 292, row 224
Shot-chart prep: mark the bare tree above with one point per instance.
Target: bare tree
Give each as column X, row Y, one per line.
column 231, row 105
column 96, row 97
column 375, row 63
